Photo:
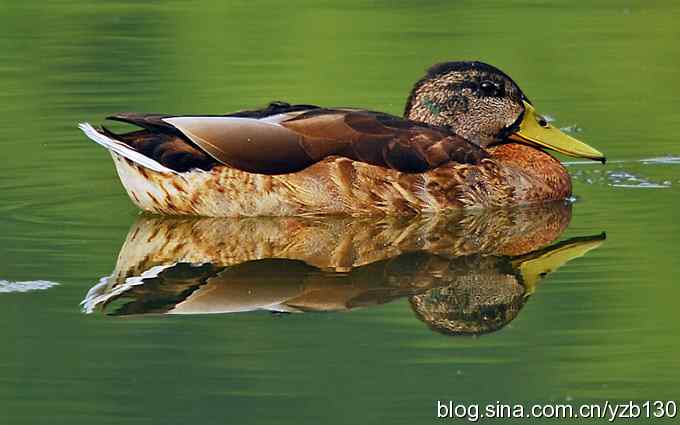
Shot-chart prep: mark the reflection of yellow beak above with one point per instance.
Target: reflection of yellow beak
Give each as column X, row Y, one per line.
column 535, row 130
column 537, row 264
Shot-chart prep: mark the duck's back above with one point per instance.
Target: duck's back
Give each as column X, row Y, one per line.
column 293, row 160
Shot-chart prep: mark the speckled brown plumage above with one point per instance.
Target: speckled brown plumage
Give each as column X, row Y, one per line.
column 515, row 174
column 475, row 100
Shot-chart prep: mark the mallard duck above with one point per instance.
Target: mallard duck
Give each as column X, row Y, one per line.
column 469, row 138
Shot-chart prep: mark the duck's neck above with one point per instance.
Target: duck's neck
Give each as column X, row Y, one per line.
column 543, row 176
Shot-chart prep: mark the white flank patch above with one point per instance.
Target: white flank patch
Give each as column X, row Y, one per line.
column 30, row 285
column 123, row 150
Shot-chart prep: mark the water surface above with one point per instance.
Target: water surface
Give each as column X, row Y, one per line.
column 603, row 326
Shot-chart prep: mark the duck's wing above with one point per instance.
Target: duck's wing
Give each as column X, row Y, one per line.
column 380, row 139
column 280, row 140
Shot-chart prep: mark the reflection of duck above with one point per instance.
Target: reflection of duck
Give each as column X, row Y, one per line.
column 494, row 289
column 469, row 137
column 457, row 270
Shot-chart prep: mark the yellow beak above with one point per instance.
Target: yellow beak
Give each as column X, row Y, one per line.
column 535, row 130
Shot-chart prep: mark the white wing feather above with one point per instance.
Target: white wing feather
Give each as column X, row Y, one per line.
column 123, row 149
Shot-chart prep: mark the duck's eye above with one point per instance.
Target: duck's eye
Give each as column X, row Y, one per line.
column 542, row 122
column 489, row 88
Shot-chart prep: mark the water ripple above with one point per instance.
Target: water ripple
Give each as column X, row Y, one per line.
column 666, row 160
column 627, row 176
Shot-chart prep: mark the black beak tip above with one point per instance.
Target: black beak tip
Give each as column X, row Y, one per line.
column 603, row 160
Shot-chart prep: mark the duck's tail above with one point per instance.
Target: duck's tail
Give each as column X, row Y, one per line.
column 122, row 149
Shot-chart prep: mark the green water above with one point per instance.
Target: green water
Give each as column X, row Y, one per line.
column 603, row 327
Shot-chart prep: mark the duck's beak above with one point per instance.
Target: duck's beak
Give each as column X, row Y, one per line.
column 535, row 265
column 534, row 129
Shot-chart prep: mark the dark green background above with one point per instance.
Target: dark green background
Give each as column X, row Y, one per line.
column 604, row 327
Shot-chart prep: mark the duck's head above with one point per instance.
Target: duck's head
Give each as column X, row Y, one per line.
column 484, row 105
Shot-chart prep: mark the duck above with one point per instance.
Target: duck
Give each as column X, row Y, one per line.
column 468, row 138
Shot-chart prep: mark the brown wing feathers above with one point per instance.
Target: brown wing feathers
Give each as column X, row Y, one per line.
column 246, row 144
column 381, row 139
column 252, row 145
column 170, row 150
